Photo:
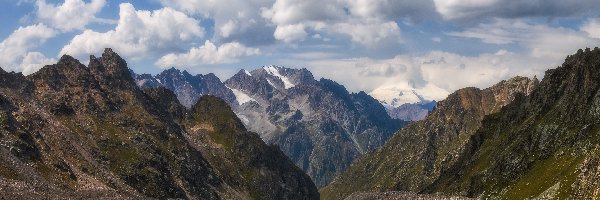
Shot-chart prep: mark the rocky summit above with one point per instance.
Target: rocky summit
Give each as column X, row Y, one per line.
column 71, row 131
column 516, row 140
column 318, row 124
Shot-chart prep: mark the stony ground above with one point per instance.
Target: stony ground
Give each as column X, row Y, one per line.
column 398, row 196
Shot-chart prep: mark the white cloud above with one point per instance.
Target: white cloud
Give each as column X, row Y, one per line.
column 435, row 69
column 33, row 61
column 234, row 19
column 370, row 34
column 71, row 15
column 139, row 34
column 477, row 9
column 209, row 53
column 290, row 33
column 537, row 39
column 592, row 28
column 15, row 50
column 366, row 22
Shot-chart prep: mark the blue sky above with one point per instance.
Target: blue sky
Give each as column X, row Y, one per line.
column 431, row 45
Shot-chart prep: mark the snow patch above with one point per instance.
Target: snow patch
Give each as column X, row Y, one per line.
column 247, row 73
column 241, row 97
column 275, row 72
column 400, row 94
column 270, row 83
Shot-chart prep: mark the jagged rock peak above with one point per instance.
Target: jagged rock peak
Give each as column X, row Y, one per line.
column 67, row 60
column 113, row 63
column 111, row 70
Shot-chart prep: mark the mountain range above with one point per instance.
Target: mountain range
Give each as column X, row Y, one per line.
column 318, row 124
column 103, row 132
column 71, row 131
column 520, row 139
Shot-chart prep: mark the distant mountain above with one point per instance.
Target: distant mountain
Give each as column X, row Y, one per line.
column 317, row 123
column 404, row 102
column 77, row 132
column 544, row 144
column 421, row 151
column 188, row 88
column 411, row 111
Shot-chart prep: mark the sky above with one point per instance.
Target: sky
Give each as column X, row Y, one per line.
column 362, row 44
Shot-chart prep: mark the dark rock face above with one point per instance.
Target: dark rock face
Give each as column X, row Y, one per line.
column 318, row 124
column 70, row 131
column 422, row 150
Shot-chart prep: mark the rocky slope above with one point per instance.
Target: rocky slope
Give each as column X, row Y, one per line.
column 71, row 131
column 544, row 145
column 317, row 123
column 540, row 146
column 417, row 155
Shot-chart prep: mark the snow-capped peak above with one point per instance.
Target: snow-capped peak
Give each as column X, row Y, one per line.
column 274, row 71
column 241, row 97
column 400, row 94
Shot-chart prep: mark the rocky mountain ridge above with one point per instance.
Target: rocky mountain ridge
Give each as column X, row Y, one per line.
column 71, row 131
column 539, row 146
column 430, row 146
column 317, row 123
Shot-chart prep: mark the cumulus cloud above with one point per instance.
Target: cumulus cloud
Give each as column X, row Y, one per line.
column 445, row 71
column 208, row 53
column 365, row 22
column 235, row 20
column 33, row 61
column 139, row 33
column 15, row 50
column 370, row 34
column 592, row 28
column 474, row 10
column 71, row 15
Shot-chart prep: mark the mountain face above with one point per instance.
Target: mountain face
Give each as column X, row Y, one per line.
column 411, row 111
column 420, row 152
column 404, row 102
column 318, row 124
column 188, row 88
column 71, row 131
column 539, row 146
column 542, row 145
